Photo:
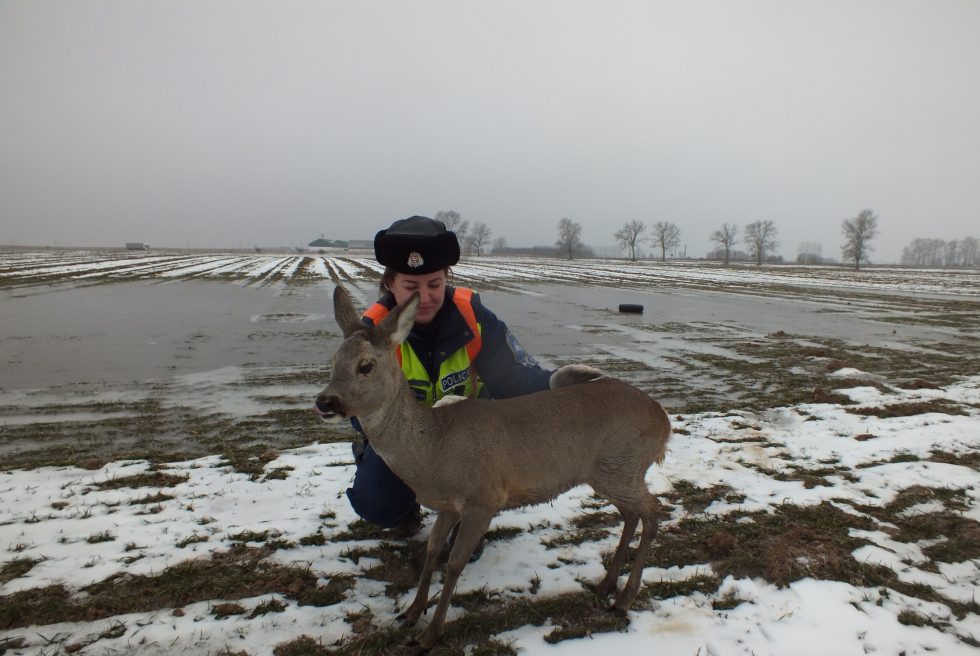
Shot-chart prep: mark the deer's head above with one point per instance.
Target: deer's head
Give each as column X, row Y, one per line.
column 365, row 373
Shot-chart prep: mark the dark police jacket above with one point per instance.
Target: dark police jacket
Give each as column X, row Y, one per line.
column 503, row 367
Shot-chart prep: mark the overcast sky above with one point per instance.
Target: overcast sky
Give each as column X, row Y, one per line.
column 238, row 123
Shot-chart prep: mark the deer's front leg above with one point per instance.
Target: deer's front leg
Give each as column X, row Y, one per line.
column 473, row 525
column 444, row 523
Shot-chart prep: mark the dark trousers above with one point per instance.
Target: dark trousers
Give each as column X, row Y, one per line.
column 377, row 494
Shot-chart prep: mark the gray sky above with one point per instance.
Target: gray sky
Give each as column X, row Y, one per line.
column 227, row 123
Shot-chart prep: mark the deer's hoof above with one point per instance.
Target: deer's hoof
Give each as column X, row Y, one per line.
column 604, row 589
column 413, row 648
column 427, row 640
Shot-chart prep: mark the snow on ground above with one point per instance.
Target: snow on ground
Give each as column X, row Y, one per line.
column 81, row 266
column 82, row 530
column 290, row 269
column 199, row 266
column 348, row 267
column 76, row 528
column 319, row 268
column 21, row 267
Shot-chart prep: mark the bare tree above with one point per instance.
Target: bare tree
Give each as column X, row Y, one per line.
column 569, row 237
column 858, row 233
column 725, row 238
column 666, row 235
column 454, row 222
column 479, row 238
column 499, row 244
column 630, row 235
column 941, row 253
column 760, row 237
column 809, row 252
column 924, row 252
column 951, row 258
column 969, row 247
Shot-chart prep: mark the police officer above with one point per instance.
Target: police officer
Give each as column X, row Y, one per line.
column 457, row 346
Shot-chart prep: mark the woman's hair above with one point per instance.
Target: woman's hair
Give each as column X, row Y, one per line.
column 388, row 277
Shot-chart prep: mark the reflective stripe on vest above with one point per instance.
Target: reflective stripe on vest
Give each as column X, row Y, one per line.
column 457, row 373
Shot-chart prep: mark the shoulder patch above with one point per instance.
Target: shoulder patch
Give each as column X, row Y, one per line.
column 521, row 356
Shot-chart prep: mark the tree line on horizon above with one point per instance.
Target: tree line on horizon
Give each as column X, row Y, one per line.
column 925, row 252
column 759, row 237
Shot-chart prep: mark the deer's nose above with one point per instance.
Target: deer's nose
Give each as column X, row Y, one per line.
column 327, row 406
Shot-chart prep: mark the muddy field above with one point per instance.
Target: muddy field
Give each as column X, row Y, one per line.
column 107, row 355
column 825, row 445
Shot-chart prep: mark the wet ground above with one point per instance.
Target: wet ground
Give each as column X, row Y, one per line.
column 137, row 331
column 169, row 367
column 140, row 362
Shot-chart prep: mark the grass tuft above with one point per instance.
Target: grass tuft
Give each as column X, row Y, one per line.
column 228, row 609
column 102, row 536
column 502, row 533
column 400, row 567
column 226, row 651
column 704, row 584
column 159, row 497
column 361, row 530
column 156, row 479
column 788, row 544
column 238, row 573
column 315, row 539
column 696, row 499
column 302, row 646
column 334, row 592
column 191, row 539
column 912, row 618
column 266, row 607
column 912, row 409
column 970, row 459
column 590, row 527
column 16, row 568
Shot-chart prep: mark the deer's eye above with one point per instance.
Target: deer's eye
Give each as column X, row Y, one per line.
column 365, row 367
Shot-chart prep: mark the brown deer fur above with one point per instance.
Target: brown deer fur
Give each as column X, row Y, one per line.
column 471, row 459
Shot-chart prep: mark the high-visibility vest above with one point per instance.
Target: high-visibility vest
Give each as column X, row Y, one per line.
column 457, row 373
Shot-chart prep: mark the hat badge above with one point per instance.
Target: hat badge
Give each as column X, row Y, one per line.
column 415, row 260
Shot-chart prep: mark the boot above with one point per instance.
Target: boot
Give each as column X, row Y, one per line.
column 410, row 525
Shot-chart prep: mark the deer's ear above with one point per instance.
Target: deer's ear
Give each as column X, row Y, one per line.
column 395, row 327
column 343, row 310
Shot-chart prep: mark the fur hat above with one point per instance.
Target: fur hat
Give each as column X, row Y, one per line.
column 416, row 245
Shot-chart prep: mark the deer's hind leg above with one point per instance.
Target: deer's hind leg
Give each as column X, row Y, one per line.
column 650, row 516
column 635, row 503
column 630, row 520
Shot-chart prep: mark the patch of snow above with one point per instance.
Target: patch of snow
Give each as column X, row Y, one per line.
column 851, row 372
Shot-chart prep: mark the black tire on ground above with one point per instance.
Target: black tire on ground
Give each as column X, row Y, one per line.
column 632, row 308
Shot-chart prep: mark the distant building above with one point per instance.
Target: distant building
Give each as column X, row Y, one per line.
column 328, row 243
column 361, row 243
column 137, row 246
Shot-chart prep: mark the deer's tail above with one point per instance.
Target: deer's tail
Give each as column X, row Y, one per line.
column 573, row 374
column 661, row 432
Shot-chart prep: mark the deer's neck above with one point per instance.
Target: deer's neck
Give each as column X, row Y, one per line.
column 401, row 430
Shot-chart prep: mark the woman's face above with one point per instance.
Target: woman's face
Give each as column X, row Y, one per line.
column 431, row 288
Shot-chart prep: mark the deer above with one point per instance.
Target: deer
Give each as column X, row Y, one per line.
column 470, row 459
